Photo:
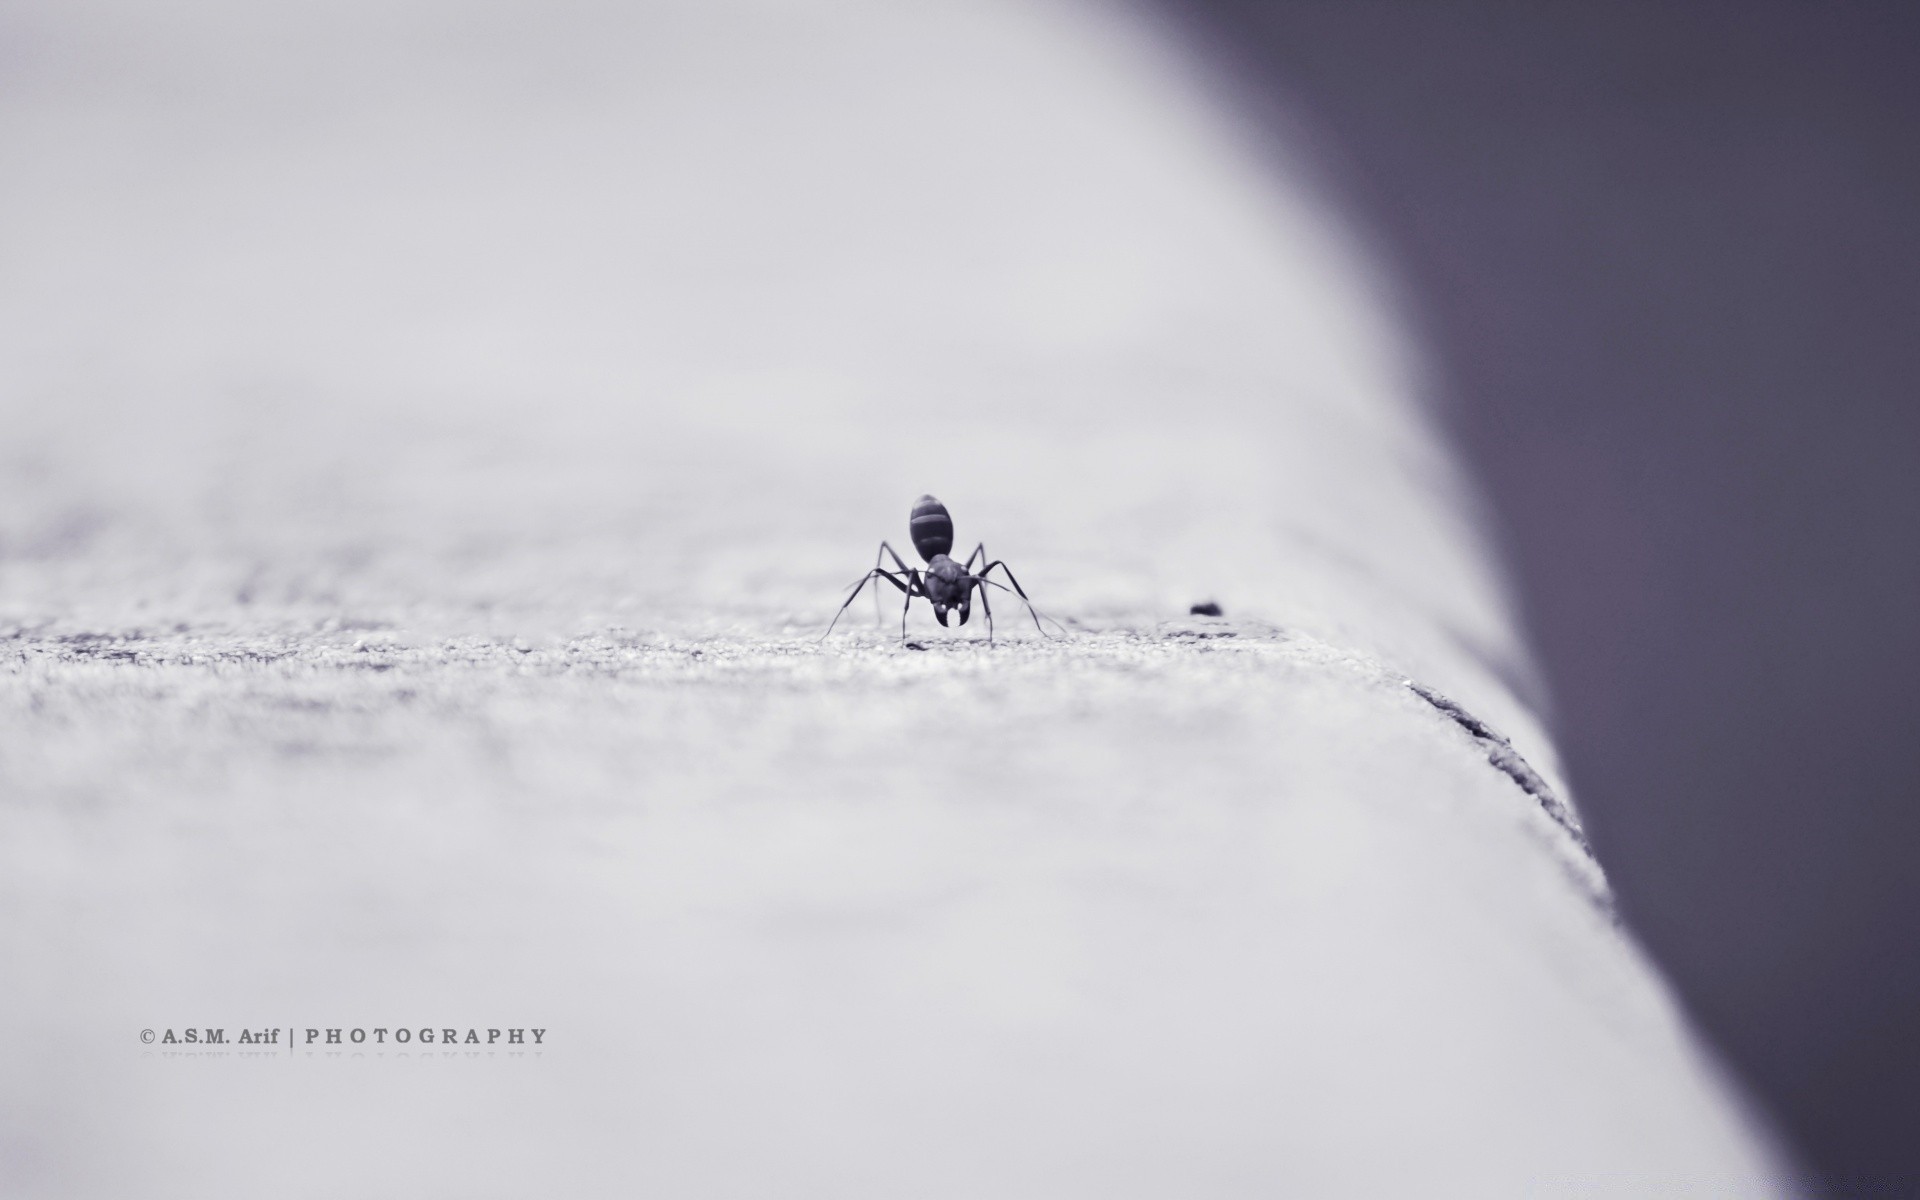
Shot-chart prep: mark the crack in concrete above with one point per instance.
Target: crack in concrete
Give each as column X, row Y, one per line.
column 1508, row 761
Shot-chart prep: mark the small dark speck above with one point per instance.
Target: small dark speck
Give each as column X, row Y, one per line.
column 1205, row 609
column 915, row 646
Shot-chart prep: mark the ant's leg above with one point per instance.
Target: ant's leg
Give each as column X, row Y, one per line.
column 851, row 597
column 1018, row 590
column 910, row 588
column 888, row 550
column 985, row 607
column 914, row 586
column 885, row 551
column 1038, row 616
column 979, row 555
column 983, row 583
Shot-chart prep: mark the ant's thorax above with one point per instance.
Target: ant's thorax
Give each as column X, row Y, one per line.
column 946, row 583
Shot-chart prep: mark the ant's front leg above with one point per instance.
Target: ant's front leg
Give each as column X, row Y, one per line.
column 985, row 606
column 911, row 586
column 887, row 551
column 1018, row 590
column 915, row 586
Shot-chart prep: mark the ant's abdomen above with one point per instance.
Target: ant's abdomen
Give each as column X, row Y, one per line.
column 931, row 528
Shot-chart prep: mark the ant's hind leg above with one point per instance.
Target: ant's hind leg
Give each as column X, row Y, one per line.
column 979, row 555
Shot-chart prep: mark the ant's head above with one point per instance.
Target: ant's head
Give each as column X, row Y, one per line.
column 931, row 528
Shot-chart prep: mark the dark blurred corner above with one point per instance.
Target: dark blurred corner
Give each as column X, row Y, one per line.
column 1667, row 260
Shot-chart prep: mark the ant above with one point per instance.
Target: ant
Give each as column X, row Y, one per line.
column 945, row 584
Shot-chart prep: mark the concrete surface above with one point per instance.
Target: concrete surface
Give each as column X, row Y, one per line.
column 436, row 438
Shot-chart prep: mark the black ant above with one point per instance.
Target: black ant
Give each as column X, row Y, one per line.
column 945, row 584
